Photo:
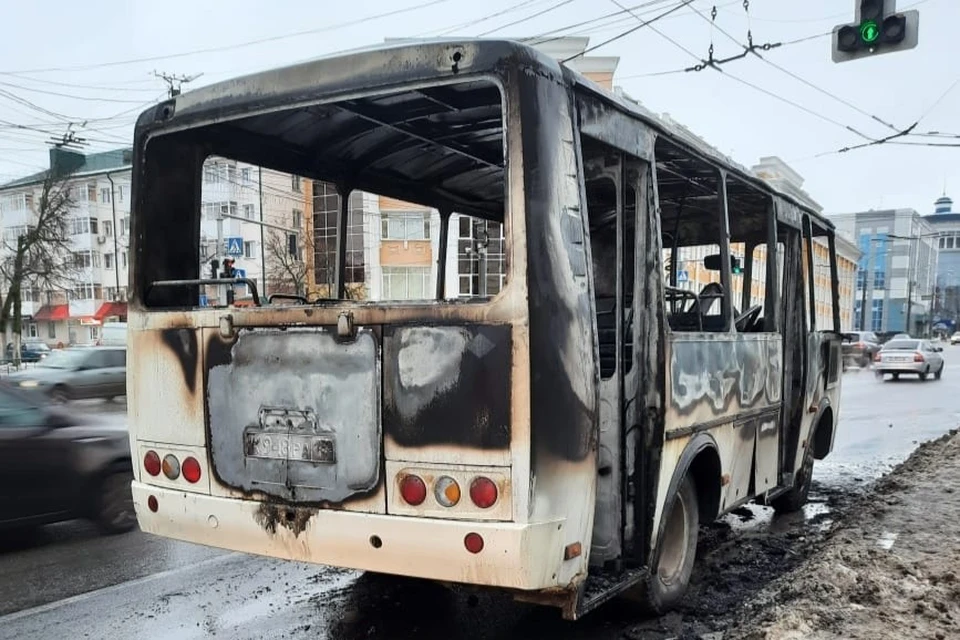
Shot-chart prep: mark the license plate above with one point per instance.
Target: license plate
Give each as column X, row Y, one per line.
column 275, row 445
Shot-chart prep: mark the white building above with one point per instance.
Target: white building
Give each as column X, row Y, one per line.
column 99, row 228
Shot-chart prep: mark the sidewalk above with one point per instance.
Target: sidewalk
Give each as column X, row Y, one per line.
column 892, row 570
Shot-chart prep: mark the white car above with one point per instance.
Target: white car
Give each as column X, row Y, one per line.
column 917, row 357
column 955, row 338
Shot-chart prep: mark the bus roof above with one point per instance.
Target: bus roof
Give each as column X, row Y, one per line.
column 397, row 62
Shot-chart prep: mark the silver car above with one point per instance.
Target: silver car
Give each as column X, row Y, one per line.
column 915, row 357
column 78, row 373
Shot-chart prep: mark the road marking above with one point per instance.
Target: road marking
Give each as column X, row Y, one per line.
column 43, row 608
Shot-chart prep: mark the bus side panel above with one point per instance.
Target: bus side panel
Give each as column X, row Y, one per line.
column 725, row 384
column 564, row 375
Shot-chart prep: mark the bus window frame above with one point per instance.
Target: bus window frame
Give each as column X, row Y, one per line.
column 512, row 143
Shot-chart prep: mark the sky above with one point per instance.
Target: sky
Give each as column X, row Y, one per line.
column 89, row 68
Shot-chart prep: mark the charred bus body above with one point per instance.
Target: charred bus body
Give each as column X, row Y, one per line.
column 562, row 438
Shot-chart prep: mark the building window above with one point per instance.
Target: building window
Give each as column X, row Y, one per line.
column 879, row 280
column 248, row 210
column 107, row 227
column 405, row 226
column 297, row 219
column 122, row 192
column 85, row 292
column 477, row 240
column 949, row 242
column 51, row 330
column 295, row 183
column 32, row 331
column 124, row 225
column 86, row 259
column 108, row 261
column 213, row 210
column 326, row 207
column 248, row 249
column 80, row 226
column 123, row 260
column 105, row 195
column 406, row 283
column 245, row 175
column 877, row 315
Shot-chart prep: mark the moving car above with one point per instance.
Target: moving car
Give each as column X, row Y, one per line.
column 55, row 466
column 860, row 347
column 909, row 356
column 955, row 338
column 30, row 351
column 901, row 336
column 78, row 373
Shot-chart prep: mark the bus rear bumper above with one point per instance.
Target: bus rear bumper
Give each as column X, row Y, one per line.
column 515, row 556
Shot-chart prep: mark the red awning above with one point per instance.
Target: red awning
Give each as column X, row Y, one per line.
column 52, row 313
column 110, row 309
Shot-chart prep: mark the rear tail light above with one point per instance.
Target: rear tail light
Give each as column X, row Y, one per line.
column 473, row 542
column 151, row 462
column 152, row 504
column 446, row 491
column 171, row 466
column 876, row 357
column 918, row 357
column 483, row 492
column 413, row 490
column 191, row 470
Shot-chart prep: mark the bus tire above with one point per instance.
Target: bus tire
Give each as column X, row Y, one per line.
column 667, row 582
column 794, row 499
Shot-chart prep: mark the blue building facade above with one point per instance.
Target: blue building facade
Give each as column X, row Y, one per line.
column 946, row 222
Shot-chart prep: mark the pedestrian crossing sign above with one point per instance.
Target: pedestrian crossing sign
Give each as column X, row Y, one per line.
column 234, row 246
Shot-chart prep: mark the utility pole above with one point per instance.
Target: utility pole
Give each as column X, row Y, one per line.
column 174, row 82
column 863, row 292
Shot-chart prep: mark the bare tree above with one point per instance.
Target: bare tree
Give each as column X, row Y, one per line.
column 286, row 269
column 40, row 256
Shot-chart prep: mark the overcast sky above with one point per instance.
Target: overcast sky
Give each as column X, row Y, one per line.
column 62, row 62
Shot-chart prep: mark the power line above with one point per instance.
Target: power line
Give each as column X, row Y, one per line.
column 750, row 48
column 463, row 25
column 624, row 34
column 66, row 95
column 249, row 43
column 530, row 17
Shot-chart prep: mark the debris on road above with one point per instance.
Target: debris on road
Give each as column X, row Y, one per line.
column 890, row 570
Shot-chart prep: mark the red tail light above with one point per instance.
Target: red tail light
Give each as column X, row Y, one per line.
column 473, row 542
column 918, row 357
column 191, row 470
column 151, row 462
column 413, row 490
column 483, row 492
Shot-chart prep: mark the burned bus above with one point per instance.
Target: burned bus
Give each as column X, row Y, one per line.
column 650, row 353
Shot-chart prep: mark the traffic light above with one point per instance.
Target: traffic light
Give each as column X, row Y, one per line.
column 879, row 29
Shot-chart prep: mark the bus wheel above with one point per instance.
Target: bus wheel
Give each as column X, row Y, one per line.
column 796, row 497
column 666, row 586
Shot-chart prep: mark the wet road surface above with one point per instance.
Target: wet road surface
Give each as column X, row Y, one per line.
column 70, row 582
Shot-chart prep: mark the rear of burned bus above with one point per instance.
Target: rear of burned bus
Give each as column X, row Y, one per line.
column 406, row 434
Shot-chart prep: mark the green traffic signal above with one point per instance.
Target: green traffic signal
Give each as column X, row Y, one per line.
column 869, row 32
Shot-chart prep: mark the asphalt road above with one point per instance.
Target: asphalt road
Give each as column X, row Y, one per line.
column 72, row 583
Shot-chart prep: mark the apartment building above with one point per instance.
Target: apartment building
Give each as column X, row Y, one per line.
column 96, row 289
column 237, row 199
